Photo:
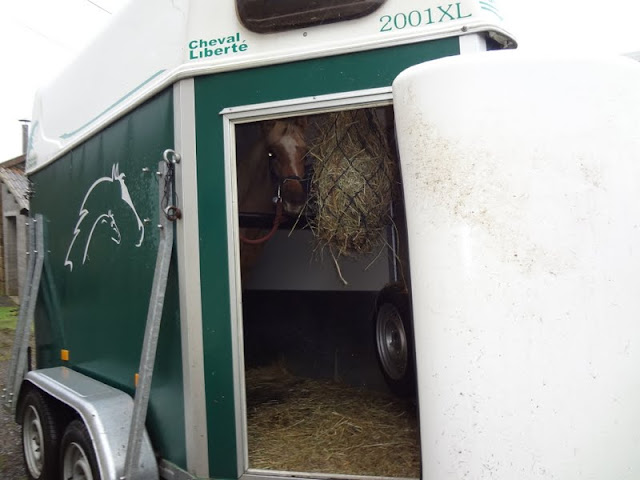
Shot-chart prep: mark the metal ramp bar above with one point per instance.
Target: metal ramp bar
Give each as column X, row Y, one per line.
column 19, row 362
column 152, row 329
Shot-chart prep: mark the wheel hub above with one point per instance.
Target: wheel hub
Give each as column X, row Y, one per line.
column 392, row 341
column 33, row 441
column 76, row 464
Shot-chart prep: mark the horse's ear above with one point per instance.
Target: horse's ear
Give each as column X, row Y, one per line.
column 301, row 121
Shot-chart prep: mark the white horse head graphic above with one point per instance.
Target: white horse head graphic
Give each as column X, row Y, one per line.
column 90, row 218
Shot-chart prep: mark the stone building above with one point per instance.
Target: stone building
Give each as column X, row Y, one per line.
column 15, row 212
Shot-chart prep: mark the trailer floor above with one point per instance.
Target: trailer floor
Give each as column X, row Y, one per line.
column 307, row 425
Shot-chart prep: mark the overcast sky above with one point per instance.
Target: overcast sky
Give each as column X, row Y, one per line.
column 37, row 37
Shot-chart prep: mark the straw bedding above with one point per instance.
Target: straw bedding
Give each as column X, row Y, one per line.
column 353, row 184
column 302, row 425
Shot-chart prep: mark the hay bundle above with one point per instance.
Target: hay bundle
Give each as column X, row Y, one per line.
column 353, row 183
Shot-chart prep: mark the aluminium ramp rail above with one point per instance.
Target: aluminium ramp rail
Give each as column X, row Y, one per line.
column 19, row 362
column 154, row 317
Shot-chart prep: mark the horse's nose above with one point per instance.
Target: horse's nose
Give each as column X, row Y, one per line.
column 293, row 196
column 291, row 208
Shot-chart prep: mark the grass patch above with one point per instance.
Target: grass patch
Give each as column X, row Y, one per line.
column 8, row 318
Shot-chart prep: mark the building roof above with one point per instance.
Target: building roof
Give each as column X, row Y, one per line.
column 12, row 175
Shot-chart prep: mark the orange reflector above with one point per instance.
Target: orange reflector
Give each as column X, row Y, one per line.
column 136, row 377
column 64, row 355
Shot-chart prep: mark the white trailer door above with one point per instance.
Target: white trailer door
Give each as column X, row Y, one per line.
column 521, row 187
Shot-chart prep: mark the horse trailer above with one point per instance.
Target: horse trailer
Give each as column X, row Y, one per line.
column 363, row 240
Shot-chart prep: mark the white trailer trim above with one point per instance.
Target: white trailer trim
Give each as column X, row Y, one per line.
column 235, row 295
column 188, row 251
column 472, row 44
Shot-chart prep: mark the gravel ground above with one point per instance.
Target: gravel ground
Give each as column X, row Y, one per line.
column 11, row 466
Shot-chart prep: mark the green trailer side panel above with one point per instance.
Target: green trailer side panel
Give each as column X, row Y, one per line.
column 100, row 262
column 351, row 72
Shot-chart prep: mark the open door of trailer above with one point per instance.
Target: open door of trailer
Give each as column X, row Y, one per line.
column 322, row 292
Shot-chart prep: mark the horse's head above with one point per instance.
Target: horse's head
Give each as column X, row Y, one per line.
column 109, row 220
column 287, row 149
column 109, row 193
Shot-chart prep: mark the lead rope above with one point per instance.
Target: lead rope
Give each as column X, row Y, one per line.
column 277, row 220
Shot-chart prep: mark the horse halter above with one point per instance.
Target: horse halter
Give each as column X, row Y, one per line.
column 281, row 181
column 278, row 202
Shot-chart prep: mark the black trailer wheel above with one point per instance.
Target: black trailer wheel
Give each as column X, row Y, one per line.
column 394, row 339
column 77, row 455
column 40, row 437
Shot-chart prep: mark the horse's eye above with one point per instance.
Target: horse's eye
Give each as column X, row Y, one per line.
column 271, row 155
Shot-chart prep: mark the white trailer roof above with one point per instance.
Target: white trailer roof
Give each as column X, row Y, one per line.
column 152, row 43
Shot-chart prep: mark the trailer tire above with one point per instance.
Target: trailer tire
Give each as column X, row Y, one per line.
column 40, row 437
column 77, row 455
column 394, row 339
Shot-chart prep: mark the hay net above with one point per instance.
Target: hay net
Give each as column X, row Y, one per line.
column 354, row 182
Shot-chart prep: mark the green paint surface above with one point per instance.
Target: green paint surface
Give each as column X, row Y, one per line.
column 99, row 265
column 344, row 73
